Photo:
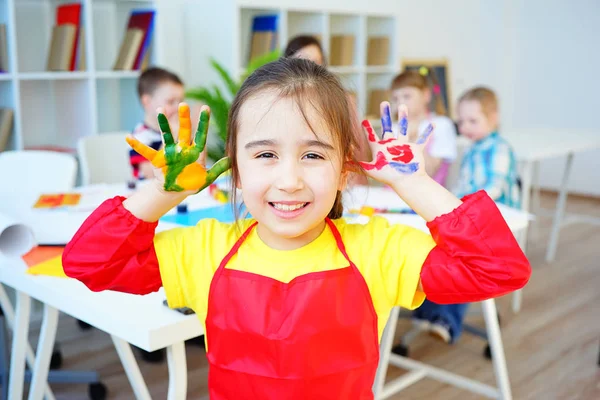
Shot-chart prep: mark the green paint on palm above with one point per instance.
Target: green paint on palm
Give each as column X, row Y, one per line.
column 217, row 169
column 179, row 158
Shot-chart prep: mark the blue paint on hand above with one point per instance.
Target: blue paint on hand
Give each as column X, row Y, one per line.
column 386, row 120
column 423, row 137
column 403, row 126
column 403, row 168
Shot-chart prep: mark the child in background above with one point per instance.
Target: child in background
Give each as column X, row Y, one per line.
column 411, row 88
column 307, row 47
column 294, row 300
column 490, row 165
column 157, row 87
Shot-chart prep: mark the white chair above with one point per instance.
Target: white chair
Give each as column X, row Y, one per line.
column 43, row 171
column 419, row 370
column 104, row 158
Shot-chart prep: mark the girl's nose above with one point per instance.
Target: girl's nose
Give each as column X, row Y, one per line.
column 289, row 177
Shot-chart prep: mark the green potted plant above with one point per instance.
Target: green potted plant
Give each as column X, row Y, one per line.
column 220, row 102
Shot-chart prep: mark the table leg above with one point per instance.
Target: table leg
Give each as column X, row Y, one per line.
column 9, row 315
column 560, row 210
column 19, row 345
column 177, row 371
column 131, row 369
column 526, row 183
column 44, row 352
column 490, row 314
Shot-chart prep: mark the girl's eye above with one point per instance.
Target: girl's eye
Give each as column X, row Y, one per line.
column 266, row 155
column 313, row 156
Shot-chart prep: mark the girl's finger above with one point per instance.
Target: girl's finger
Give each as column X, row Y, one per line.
column 423, row 137
column 147, row 152
column 386, row 118
column 163, row 122
column 185, row 125
column 202, row 131
column 403, row 116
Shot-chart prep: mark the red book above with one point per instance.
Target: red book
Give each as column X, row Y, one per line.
column 70, row 14
column 142, row 20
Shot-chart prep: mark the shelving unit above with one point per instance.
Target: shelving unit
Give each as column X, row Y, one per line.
column 233, row 20
column 55, row 109
column 359, row 77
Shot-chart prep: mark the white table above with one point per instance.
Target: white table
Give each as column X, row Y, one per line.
column 139, row 320
column 535, row 145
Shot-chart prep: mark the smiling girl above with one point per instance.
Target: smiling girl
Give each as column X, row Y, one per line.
column 294, row 300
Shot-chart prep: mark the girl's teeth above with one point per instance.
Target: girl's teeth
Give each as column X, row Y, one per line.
column 288, row 207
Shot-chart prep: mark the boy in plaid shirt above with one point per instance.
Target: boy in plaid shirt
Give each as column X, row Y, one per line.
column 489, row 164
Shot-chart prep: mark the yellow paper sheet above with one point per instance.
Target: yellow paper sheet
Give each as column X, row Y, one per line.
column 51, row 267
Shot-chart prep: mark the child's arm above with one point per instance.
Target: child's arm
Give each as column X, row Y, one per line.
column 476, row 255
column 114, row 247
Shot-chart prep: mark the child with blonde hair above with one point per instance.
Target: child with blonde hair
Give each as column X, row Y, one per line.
column 489, row 164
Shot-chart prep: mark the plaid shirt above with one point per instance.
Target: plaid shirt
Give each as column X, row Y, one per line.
column 490, row 164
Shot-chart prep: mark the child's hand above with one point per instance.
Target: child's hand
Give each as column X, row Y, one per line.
column 395, row 158
column 180, row 166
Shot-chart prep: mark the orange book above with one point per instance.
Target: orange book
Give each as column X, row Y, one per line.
column 55, row 200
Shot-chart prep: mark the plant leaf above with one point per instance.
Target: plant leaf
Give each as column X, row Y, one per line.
column 231, row 84
column 259, row 61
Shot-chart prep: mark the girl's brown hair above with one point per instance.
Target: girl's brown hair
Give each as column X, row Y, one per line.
column 309, row 85
column 412, row 78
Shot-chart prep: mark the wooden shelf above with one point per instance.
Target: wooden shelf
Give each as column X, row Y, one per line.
column 117, row 74
column 52, row 76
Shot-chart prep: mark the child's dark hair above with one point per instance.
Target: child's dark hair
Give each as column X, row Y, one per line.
column 309, row 85
column 153, row 77
column 300, row 42
column 411, row 78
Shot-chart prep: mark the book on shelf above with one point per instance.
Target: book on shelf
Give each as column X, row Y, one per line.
column 71, row 14
column 3, row 49
column 264, row 35
column 378, row 50
column 61, row 47
column 135, row 49
column 129, row 49
column 81, row 59
column 6, row 124
column 376, row 96
column 342, row 50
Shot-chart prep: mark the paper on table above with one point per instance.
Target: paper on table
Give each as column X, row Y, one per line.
column 16, row 238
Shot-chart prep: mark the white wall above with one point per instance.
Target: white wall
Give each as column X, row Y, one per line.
column 555, row 72
column 540, row 55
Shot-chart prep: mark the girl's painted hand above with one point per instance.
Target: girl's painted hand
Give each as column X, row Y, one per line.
column 396, row 159
column 180, row 167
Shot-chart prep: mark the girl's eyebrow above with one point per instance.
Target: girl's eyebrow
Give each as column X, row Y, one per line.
column 260, row 143
column 271, row 143
column 317, row 143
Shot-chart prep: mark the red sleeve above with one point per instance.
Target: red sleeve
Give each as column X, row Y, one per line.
column 476, row 258
column 114, row 250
